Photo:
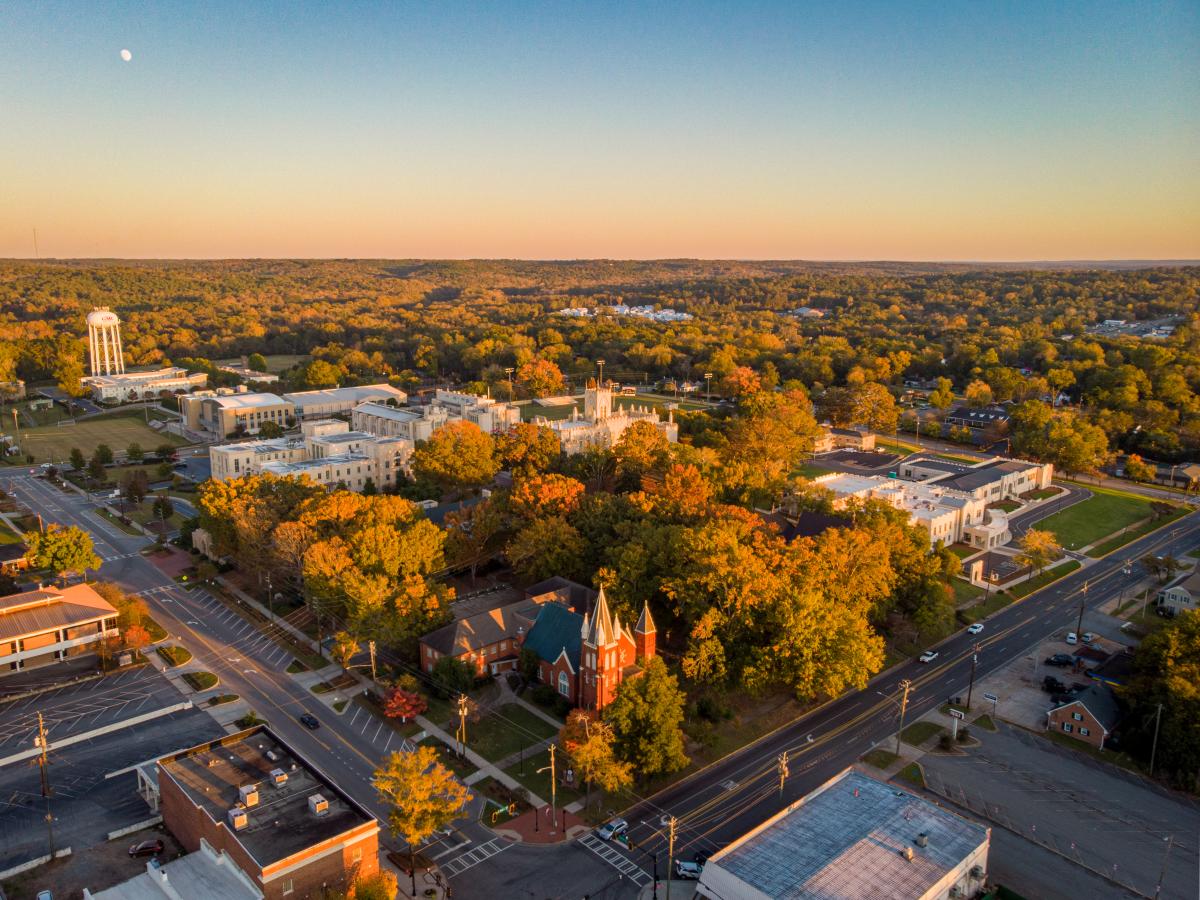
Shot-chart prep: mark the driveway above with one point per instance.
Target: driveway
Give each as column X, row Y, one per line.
column 1110, row 822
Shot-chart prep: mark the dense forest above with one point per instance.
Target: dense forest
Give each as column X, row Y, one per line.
column 1020, row 334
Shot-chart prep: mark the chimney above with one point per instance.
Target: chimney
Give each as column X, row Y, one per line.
column 922, row 840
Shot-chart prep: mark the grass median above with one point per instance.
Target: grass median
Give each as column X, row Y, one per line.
column 1025, row 588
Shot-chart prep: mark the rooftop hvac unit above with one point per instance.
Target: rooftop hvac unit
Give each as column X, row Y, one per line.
column 922, row 840
column 907, row 853
column 238, row 818
column 977, row 872
column 957, row 891
column 248, row 794
column 272, row 756
column 318, row 805
column 278, row 777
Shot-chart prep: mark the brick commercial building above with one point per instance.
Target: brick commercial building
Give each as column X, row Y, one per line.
column 50, row 624
column 284, row 824
column 1090, row 717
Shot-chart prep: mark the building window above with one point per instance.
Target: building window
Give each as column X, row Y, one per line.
column 1085, row 732
column 356, row 856
column 288, row 887
column 1078, row 717
column 1068, row 727
column 564, row 684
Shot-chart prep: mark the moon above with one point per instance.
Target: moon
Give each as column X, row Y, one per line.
column 126, row 55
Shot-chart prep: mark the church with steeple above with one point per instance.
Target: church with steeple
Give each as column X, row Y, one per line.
column 586, row 657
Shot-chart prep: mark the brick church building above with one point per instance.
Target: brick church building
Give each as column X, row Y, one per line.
column 584, row 657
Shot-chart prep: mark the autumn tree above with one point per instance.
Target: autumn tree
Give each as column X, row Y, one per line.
column 452, row 676
column 136, row 638
column 942, row 397
column 421, row 796
column 874, row 407
column 646, row 717
column 134, row 487
column 741, row 382
column 640, row 450
column 1138, row 469
column 766, row 443
column 458, row 455
column 546, row 547
column 257, row 362
column 978, row 394
column 1039, row 548
column 474, row 534
column 526, row 449
column 589, row 742
column 63, row 550
column 541, row 496
column 404, row 704
column 540, row 378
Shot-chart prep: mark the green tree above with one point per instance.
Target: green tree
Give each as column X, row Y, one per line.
column 320, row 374
column 641, row 449
column 452, row 677
column 62, row 550
column 458, row 455
column 163, row 507
column 269, row 430
column 943, row 397
column 134, row 487
column 95, row 469
column 547, row 547
column 257, row 362
column 421, row 796
column 104, row 453
column 135, row 453
column 78, row 462
column 589, row 742
column 1138, row 469
column 646, row 717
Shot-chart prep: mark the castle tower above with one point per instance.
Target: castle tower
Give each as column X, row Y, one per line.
column 597, row 400
column 104, row 342
column 645, row 634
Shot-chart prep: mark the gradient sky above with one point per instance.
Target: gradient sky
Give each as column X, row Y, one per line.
column 839, row 130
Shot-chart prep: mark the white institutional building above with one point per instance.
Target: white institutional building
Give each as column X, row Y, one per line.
column 327, row 451
column 601, row 425
column 110, row 382
column 418, row 423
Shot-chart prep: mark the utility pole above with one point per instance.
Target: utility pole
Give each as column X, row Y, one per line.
column 1163, row 875
column 371, row 648
column 670, row 853
column 1154, row 744
column 553, row 790
column 707, row 392
column 462, row 725
column 44, row 765
column 904, row 686
column 1082, row 601
column 270, row 596
column 974, row 660
column 783, row 770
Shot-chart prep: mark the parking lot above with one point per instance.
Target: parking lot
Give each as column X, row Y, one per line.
column 86, row 804
column 1110, row 823
column 84, row 706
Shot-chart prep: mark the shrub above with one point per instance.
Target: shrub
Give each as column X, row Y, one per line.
column 712, row 710
column 964, row 734
column 544, row 695
column 945, row 742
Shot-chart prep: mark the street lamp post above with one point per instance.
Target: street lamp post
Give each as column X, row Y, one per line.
column 708, row 386
column 600, row 364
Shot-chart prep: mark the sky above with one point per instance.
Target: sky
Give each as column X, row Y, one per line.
column 757, row 130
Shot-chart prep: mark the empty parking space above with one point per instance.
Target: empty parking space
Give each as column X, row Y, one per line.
column 236, row 634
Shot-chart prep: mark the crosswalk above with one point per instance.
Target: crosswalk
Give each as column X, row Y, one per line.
column 474, row 857
column 116, row 556
column 616, row 859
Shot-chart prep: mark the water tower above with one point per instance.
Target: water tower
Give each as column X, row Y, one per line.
column 104, row 341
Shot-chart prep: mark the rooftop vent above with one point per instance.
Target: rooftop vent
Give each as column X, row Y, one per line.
column 922, row 840
column 272, row 756
column 213, row 762
column 238, row 818
column 248, row 794
column 907, row 853
column 318, row 805
column 278, row 777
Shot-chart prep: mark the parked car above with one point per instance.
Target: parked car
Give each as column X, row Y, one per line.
column 309, row 721
column 975, row 629
column 45, row 895
column 928, row 656
column 1088, row 637
column 1062, row 660
column 610, row 831
column 687, row 870
column 147, row 848
column 1072, row 638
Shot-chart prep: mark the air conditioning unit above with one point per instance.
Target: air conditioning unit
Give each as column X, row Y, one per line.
column 318, row 805
column 238, row 818
column 957, row 891
column 278, row 777
column 922, row 840
column 248, row 794
column 976, row 872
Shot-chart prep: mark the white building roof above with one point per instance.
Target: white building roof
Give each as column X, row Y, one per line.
column 396, row 414
column 345, row 395
column 196, row 876
column 846, row 839
column 246, row 401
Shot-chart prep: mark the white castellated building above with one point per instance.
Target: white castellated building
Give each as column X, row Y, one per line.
column 601, row 425
column 110, row 382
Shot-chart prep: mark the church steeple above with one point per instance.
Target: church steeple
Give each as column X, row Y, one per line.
column 601, row 633
column 645, row 634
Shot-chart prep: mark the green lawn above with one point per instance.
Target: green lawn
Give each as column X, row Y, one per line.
column 919, row 732
column 810, row 470
column 505, row 731
column 1132, row 534
column 7, row 535
column 275, row 363
column 880, row 758
column 913, row 774
column 539, row 783
column 964, row 591
column 996, row 599
column 1006, row 506
column 984, row 721
column 119, row 430
column 897, row 447
column 962, row 551
column 128, row 529
column 1045, row 493
column 1095, row 518
column 1025, row 588
column 175, row 656
column 200, row 681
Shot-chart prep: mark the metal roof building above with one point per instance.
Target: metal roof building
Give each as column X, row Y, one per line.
column 854, row 837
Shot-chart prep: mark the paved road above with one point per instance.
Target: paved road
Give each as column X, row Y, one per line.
column 727, row 799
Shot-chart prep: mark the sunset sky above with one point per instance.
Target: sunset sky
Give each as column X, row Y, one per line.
column 838, row 130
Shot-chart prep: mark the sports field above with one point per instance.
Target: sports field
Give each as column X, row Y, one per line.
column 54, row 443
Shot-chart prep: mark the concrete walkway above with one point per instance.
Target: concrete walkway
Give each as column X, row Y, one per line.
column 485, row 768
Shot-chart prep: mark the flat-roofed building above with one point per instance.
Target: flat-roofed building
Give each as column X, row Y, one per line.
column 245, row 373
column 286, row 825
column 832, row 438
column 991, row 480
column 327, row 451
column 491, row 416
column 340, row 401
column 148, row 385
column 50, row 624
column 235, row 412
column 203, row 875
column 853, row 837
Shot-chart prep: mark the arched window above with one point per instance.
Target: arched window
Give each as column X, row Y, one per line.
column 564, row 684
